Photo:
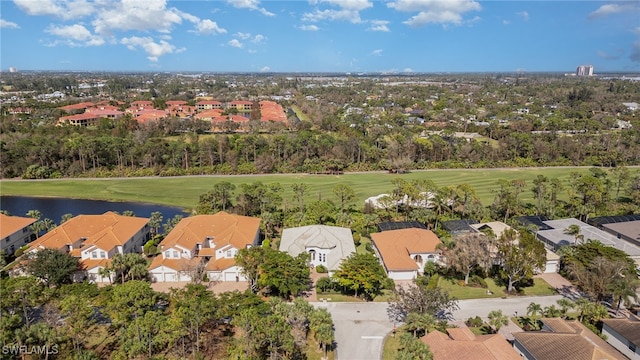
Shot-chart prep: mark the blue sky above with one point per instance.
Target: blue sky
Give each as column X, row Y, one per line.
column 319, row 35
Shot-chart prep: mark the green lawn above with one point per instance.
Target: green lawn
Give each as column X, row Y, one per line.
column 185, row 191
column 539, row 288
column 391, row 346
column 468, row 292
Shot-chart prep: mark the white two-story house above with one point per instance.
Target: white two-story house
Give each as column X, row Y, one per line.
column 15, row 232
column 95, row 239
column 205, row 244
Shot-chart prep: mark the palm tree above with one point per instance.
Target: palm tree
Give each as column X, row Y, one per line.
column 624, row 289
column 497, row 319
column 119, row 265
column 534, row 309
column 105, row 272
column 573, row 230
column 565, row 305
column 552, row 311
column 419, row 323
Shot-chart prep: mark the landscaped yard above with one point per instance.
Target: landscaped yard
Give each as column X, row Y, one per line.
column 539, row 288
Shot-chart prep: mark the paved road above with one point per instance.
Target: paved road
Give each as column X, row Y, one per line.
column 360, row 328
column 482, row 307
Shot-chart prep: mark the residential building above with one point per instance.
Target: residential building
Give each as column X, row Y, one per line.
column 95, row 239
column 461, row 343
column 208, row 105
column 326, row 245
column 404, row 252
column 554, row 236
column 240, row 105
column 15, row 232
column 624, row 335
column 563, row 339
column 584, row 70
column 89, row 118
column 205, row 244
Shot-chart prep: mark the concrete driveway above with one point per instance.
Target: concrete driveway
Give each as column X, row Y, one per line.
column 360, row 329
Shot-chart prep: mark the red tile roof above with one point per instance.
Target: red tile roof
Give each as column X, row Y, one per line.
column 105, row 231
column 461, row 343
column 395, row 247
column 12, row 224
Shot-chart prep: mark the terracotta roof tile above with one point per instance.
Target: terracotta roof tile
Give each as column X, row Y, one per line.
column 395, row 246
column 224, row 228
column 105, row 231
column 11, row 224
column 461, row 343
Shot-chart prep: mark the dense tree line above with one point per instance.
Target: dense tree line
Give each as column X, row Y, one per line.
column 358, row 125
column 130, row 320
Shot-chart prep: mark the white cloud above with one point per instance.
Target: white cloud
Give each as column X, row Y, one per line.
column 265, row 69
column 379, row 25
column 524, row 15
column 4, row 24
column 435, row 11
column 235, row 43
column 333, row 15
column 75, row 35
column 348, row 10
column 65, row 9
column 153, row 49
column 258, row 39
column 243, row 36
column 377, row 52
column 251, row 5
column 309, row 28
column 505, row 22
column 609, row 9
column 138, row 15
column 207, row 26
column 356, row 5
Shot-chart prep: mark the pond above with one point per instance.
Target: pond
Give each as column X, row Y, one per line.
column 55, row 208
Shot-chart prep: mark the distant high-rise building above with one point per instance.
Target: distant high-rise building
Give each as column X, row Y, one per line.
column 13, row 69
column 584, row 70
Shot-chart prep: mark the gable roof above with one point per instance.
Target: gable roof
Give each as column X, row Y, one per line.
column 337, row 239
column 395, row 247
column 461, row 343
column 627, row 328
column 12, row 224
column 105, row 231
column 225, row 229
column 570, row 340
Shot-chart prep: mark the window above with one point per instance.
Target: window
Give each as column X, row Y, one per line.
column 175, row 254
column 94, row 254
column 102, row 255
column 229, row 253
column 167, row 254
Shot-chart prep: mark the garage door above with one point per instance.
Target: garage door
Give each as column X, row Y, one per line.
column 170, row 277
column 229, row 277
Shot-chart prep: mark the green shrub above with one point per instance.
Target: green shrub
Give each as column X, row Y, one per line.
column 474, row 321
column 433, row 282
column 477, row 281
column 389, row 284
column 356, row 239
column 321, row 269
column 325, row 284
